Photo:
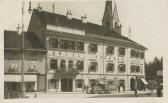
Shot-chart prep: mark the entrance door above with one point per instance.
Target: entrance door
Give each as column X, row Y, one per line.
column 66, row 85
column 132, row 84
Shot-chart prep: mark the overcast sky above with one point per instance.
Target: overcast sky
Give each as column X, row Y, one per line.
column 148, row 19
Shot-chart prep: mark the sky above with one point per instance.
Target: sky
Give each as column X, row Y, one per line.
column 147, row 18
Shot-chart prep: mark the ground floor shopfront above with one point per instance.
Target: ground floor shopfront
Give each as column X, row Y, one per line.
column 32, row 83
column 80, row 82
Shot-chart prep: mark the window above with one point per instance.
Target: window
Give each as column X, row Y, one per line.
column 110, row 67
column 63, row 64
column 93, row 48
column 52, row 84
column 137, row 69
column 33, row 65
column 70, row 64
column 111, row 82
column 80, row 46
column 13, row 66
column 142, row 55
column 63, row 44
column 93, row 66
column 133, row 53
column 71, row 45
column 121, row 51
column 121, row 68
column 53, row 43
column 79, row 83
column 110, row 50
column 53, row 64
column 132, row 68
column 137, row 54
column 80, row 65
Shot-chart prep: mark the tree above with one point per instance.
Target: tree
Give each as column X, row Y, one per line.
column 151, row 68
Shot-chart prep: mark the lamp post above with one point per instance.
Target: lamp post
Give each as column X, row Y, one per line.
column 22, row 69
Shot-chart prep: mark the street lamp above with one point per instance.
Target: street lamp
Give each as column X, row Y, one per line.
column 22, row 84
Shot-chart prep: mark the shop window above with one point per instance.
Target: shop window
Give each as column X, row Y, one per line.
column 30, row 86
column 80, row 65
column 121, row 51
column 53, row 43
column 80, row 46
column 121, row 68
column 138, row 69
column 93, row 48
column 52, row 84
column 79, row 83
column 93, row 67
column 53, row 64
column 110, row 50
column 111, row 82
column 132, row 68
column 110, row 67
column 63, row 64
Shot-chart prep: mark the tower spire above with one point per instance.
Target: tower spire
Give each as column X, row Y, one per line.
column 110, row 18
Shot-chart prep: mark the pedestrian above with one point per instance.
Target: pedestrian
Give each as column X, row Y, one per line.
column 136, row 93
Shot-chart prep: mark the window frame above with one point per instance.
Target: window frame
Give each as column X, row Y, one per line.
column 121, row 51
column 119, row 69
column 91, row 68
column 107, row 67
column 110, row 50
column 93, row 48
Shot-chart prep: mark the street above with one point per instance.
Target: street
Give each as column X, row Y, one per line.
column 84, row 95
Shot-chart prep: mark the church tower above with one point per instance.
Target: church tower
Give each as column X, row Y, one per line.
column 110, row 18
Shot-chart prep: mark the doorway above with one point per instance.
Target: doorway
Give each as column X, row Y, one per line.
column 66, row 84
column 132, row 84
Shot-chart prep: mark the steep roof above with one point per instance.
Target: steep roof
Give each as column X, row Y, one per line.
column 90, row 28
column 13, row 40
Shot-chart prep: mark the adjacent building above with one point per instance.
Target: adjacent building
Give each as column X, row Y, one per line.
column 34, row 63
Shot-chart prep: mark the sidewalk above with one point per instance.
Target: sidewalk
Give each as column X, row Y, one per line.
column 78, row 94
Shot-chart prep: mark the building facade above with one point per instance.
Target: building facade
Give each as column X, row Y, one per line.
column 68, row 54
column 34, row 63
column 79, row 53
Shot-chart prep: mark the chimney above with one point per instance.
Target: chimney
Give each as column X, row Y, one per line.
column 39, row 8
column 84, row 19
column 69, row 14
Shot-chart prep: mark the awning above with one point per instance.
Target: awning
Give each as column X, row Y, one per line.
column 17, row 78
column 144, row 81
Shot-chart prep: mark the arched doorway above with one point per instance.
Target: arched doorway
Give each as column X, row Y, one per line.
column 132, row 84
